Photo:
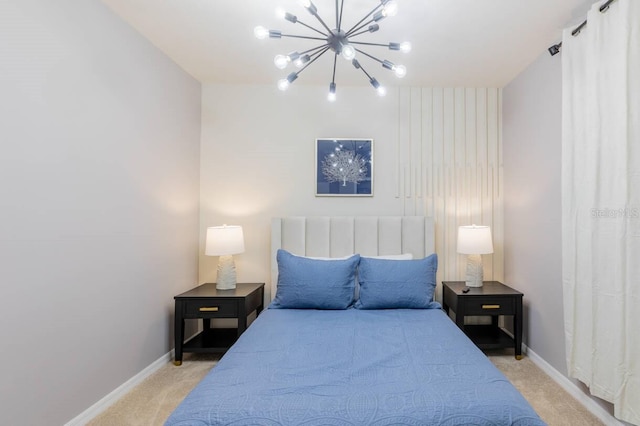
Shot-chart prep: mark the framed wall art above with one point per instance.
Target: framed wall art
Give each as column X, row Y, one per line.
column 344, row 167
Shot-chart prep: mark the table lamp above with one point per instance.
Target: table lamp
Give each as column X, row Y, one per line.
column 474, row 241
column 225, row 241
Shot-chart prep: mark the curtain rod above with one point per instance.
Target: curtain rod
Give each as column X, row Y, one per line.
column 555, row 49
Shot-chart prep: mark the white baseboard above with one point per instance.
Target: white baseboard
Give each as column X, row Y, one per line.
column 97, row 408
column 594, row 408
column 570, row 387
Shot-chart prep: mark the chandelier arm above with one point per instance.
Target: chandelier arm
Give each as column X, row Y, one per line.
column 352, row 30
column 365, row 72
column 322, row 22
column 305, row 37
column 340, row 20
column 322, row 52
column 368, row 44
column 370, row 56
column 319, row 52
column 312, row 28
column 400, row 70
column 365, row 17
column 335, row 60
column 314, row 48
column 337, row 17
column 360, row 33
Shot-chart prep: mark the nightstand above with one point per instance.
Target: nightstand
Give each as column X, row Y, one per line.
column 493, row 299
column 206, row 302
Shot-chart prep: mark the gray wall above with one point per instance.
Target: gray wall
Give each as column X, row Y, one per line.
column 532, row 136
column 99, row 183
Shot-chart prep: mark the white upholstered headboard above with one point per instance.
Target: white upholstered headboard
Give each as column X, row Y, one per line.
column 326, row 236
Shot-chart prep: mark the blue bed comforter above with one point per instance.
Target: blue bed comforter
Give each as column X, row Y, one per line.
column 354, row 367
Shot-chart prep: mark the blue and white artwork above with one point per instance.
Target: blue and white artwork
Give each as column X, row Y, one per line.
column 344, row 167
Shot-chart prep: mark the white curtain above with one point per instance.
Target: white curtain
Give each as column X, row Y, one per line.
column 601, row 204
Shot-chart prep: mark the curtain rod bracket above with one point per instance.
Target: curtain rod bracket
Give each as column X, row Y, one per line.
column 555, row 49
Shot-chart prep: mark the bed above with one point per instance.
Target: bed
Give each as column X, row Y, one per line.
column 373, row 352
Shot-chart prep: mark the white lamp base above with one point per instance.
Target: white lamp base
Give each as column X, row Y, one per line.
column 474, row 270
column 226, row 273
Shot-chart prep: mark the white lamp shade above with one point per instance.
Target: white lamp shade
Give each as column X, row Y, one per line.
column 474, row 240
column 224, row 240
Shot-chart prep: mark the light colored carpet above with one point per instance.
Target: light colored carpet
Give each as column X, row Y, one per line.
column 151, row 402
column 552, row 403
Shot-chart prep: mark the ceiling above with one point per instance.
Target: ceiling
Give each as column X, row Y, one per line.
column 469, row 43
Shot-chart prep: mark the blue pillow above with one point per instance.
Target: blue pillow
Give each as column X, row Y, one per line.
column 305, row 283
column 397, row 284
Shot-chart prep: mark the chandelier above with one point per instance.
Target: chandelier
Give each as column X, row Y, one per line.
column 339, row 41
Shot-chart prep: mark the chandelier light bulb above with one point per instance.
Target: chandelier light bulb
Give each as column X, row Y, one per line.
column 286, row 82
column 379, row 15
column 400, row 71
column 281, row 61
column 376, row 85
column 281, row 13
column 283, row 84
column 302, row 60
column 293, row 56
column 405, row 47
column 308, row 4
column 348, row 52
column 390, row 9
column 261, row 32
column 332, row 92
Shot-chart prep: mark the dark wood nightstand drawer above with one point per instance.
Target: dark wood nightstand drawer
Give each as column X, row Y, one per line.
column 213, row 308
column 207, row 303
column 493, row 299
column 490, row 306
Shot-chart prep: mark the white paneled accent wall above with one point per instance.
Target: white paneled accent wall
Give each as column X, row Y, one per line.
column 437, row 152
column 449, row 166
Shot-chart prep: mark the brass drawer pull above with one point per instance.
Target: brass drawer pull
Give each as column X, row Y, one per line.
column 209, row 309
column 490, row 306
